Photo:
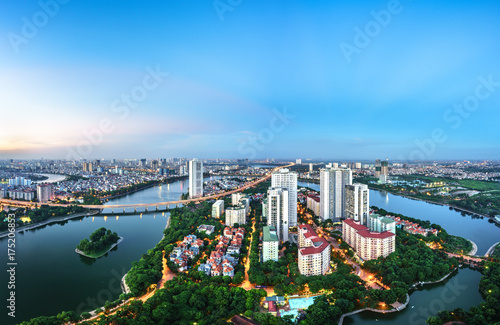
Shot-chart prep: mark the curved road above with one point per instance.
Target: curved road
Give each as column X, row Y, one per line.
column 196, row 200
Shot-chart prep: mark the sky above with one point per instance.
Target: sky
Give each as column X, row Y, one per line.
column 406, row 80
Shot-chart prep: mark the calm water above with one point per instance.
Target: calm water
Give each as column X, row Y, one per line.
column 479, row 230
column 51, row 277
column 461, row 290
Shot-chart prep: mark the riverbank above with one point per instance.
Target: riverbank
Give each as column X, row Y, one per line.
column 432, row 202
column 401, row 306
column 50, row 221
column 491, row 249
column 120, row 239
column 179, row 178
column 474, row 248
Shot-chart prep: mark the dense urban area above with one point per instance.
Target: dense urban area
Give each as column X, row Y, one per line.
column 249, row 245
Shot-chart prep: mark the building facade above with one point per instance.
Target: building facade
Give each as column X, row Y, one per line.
column 45, row 192
column 367, row 244
column 314, row 252
column 236, row 215
column 332, row 192
column 380, row 224
column 284, row 178
column 217, row 209
column 357, row 203
column 195, row 178
column 270, row 244
column 277, row 211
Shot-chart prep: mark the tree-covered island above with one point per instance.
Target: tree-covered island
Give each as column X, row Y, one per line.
column 101, row 241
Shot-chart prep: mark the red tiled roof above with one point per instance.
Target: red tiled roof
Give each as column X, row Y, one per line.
column 370, row 234
column 315, row 250
column 355, row 225
column 309, row 231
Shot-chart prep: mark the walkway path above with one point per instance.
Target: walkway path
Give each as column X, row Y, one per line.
column 474, row 248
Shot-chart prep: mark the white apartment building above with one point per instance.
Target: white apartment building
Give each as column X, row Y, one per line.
column 217, row 209
column 284, row 178
column 367, row 244
column 357, row 203
column 314, row 252
column 44, row 192
column 270, row 244
column 277, row 211
column 332, row 192
column 195, row 178
column 236, row 215
column 379, row 223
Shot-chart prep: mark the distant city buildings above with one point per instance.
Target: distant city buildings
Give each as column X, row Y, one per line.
column 270, row 244
column 367, row 244
column 357, row 203
column 19, row 181
column 314, row 252
column 332, row 192
column 195, row 178
column 286, row 179
column 217, row 209
column 382, row 170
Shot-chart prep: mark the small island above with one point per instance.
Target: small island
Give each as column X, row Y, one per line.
column 101, row 241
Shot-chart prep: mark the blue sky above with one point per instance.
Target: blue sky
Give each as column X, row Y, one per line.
column 219, row 82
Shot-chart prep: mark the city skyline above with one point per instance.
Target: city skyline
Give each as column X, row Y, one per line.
column 250, row 80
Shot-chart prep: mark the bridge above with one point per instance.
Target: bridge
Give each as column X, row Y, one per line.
column 146, row 205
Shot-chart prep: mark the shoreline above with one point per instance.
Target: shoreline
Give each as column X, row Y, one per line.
column 432, row 202
column 50, row 221
column 491, row 249
column 473, row 251
column 180, row 178
column 123, row 283
column 403, row 306
column 120, row 239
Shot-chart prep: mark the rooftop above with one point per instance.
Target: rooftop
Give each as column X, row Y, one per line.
column 267, row 234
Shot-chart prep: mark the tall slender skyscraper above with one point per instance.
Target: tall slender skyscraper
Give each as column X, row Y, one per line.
column 284, row 178
column 332, row 192
column 357, row 203
column 195, row 178
column 378, row 168
column 278, row 211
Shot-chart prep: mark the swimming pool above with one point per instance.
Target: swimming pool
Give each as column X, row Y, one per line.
column 301, row 303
